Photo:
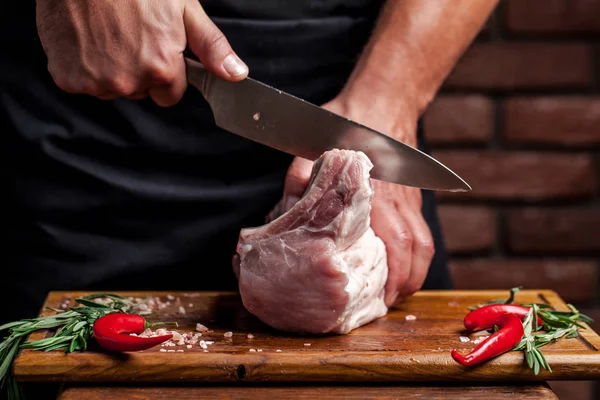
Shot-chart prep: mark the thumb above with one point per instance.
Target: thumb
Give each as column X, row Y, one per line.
column 209, row 44
column 296, row 180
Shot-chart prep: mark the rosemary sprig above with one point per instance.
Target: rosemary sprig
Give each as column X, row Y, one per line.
column 74, row 328
column 555, row 325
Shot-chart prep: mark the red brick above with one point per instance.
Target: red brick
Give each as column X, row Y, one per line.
column 567, row 121
column 553, row 17
column 459, row 119
column 572, row 280
column 509, row 66
column 468, row 228
column 526, row 176
column 553, row 230
column 574, row 390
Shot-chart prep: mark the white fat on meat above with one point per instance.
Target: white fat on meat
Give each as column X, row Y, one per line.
column 317, row 266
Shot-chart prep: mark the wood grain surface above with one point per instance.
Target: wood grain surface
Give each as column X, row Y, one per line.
column 390, row 349
column 408, row 392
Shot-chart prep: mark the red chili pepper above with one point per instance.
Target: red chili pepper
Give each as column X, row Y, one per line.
column 506, row 338
column 486, row 316
column 112, row 332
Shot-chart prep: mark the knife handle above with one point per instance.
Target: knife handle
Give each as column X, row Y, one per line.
column 197, row 74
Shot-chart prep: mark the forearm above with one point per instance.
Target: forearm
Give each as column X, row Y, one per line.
column 412, row 50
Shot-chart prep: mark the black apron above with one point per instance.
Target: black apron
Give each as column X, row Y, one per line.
column 127, row 195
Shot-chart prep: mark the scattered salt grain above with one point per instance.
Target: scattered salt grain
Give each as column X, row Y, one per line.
column 206, row 351
column 464, row 339
column 278, row 351
column 170, row 297
column 201, row 328
column 170, row 351
column 190, row 305
column 189, row 346
column 256, row 116
column 480, row 339
column 453, row 304
column 163, row 350
column 250, row 336
column 252, row 350
column 181, row 310
column 180, row 351
column 228, row 334
column 307, row 344
column 259, row 350
column 410, row 317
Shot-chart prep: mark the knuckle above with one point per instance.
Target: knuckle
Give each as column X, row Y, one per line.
column 427, row 247
column 121, row 86
column 405, row 240
column 215, row 42
column 89, row 86
column 162, row 73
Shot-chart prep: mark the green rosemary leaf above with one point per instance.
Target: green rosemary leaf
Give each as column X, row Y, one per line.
column 46, row 342
column 79, row 325
column 536, row 367
column 55, row 347
column 73, row 345
column 529, row 358
column 8, row 358
column 104, row 295
column 11, row 324
column 82, row 341
column 572, row 335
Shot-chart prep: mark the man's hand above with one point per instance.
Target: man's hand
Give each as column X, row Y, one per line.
column 131, row 48
column 395, row 214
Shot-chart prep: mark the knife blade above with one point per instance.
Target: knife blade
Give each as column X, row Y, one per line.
column 269, row 116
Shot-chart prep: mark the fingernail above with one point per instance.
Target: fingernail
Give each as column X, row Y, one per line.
column 392, row 299
column 234, row 66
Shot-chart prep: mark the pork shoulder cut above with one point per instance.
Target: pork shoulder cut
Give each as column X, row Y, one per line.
column 317, row 267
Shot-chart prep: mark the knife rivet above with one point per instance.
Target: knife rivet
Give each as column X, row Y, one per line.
column 256, row 116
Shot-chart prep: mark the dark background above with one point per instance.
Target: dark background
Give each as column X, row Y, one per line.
column 519, row 120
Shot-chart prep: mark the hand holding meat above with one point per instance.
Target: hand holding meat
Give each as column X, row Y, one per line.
column 131, row 48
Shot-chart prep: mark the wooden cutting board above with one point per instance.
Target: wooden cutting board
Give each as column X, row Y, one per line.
column 392, row 348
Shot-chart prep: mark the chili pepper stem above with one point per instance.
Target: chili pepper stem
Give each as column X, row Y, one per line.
column 153, row 324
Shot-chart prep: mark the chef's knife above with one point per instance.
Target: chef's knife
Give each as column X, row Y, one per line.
column 282, row 121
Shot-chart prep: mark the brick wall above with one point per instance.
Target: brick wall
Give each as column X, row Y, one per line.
column 519, row 120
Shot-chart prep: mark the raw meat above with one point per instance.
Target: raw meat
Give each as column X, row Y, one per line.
column 318, row 267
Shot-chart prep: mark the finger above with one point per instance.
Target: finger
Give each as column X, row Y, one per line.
column 298, row 176
column 170, row 94
column 210, row 45
column 422, row 251
column 296, row 181
column 391, row 228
